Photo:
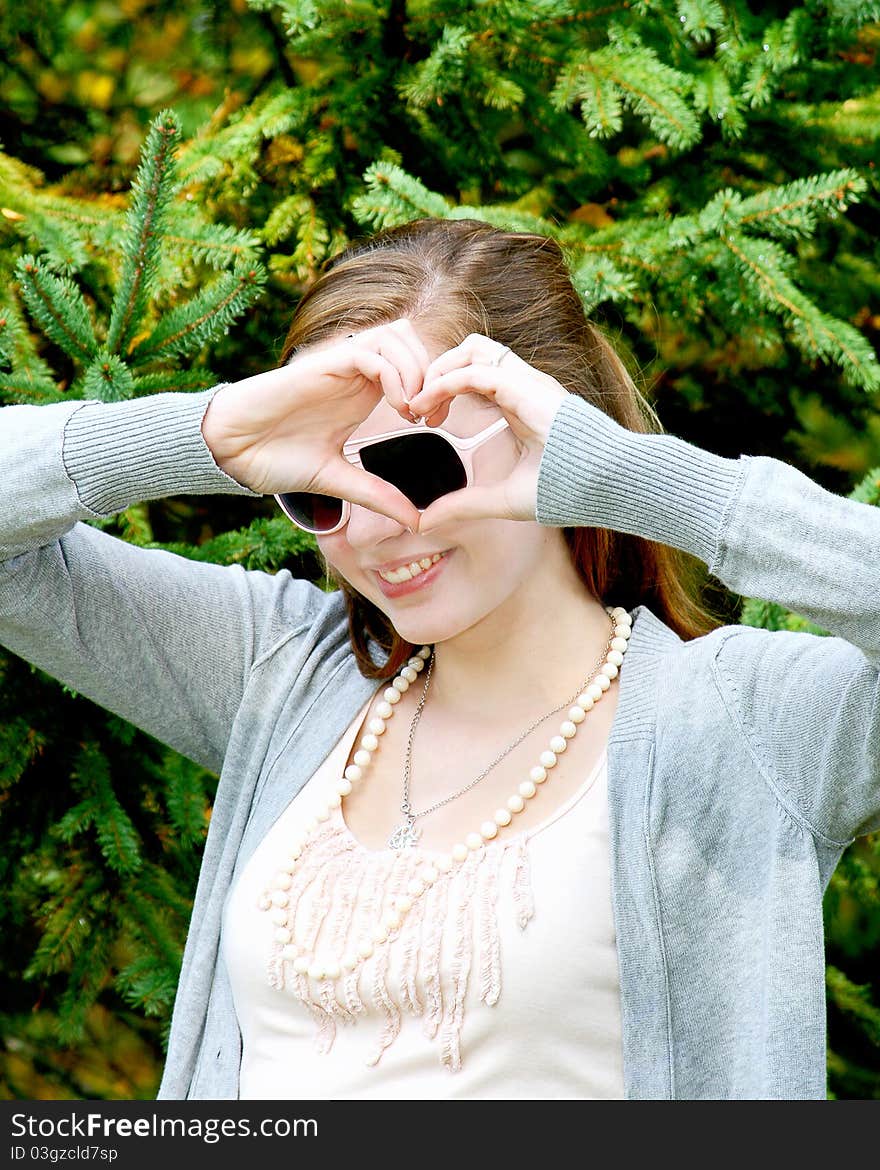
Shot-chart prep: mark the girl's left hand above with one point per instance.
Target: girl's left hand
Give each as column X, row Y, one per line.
column 528, row 399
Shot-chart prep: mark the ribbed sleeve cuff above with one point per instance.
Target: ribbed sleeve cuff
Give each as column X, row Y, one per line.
column 596, row 473
column 120, row 453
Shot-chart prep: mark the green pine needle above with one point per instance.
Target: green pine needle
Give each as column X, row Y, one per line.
column 393, row 197
column 151, row 195
column 117, row 837
column 108, row 378
column 266, row 544
column 166, row 381
column 626, row 72
column 193, row 325
column 58, row 307
column 854, row 1000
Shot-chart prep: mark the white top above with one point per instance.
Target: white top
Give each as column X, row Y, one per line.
column 502, row 982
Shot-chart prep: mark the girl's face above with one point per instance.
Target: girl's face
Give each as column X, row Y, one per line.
column 464, row 572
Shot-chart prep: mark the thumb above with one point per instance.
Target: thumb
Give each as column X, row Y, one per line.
column 371, row 491
column 470, row 503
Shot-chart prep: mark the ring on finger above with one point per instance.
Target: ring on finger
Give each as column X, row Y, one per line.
column 499, row 357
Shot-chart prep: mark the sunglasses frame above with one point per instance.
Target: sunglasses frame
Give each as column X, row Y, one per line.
column 351, row 449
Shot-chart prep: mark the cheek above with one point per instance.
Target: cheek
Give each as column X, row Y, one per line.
column 502, row 553
column 337, row 553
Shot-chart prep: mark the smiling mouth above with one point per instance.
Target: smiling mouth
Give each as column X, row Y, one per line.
column 407, row 572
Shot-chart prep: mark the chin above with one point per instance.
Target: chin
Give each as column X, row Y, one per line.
column 428, row 629
column 423, row 632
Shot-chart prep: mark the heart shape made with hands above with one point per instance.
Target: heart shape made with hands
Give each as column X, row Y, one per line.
column 526, row 397
column 285, row 430
column 527, row 400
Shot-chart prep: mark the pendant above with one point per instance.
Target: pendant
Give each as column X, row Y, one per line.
column 405, row 836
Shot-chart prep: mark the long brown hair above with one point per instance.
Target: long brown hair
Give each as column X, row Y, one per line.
column 452, row 277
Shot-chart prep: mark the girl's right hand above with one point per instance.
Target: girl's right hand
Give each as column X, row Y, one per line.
column 283, row 430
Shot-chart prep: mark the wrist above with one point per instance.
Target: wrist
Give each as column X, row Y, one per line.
column 596, row 473
column 121, row 453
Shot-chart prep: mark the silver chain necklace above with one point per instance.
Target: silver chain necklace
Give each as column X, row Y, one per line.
column 406, row 834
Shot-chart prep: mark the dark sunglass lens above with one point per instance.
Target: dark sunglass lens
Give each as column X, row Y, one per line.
column 319, row 513
column 423, row 466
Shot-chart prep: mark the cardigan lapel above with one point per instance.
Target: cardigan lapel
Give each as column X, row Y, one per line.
column 644, row 997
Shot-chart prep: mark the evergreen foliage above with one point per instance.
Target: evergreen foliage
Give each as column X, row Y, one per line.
column 708, row 169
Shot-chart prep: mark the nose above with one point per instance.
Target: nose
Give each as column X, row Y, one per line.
column 366, row 529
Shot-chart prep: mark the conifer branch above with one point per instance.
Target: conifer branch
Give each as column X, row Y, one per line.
column 404, row 198
column 627, row 70
column 854, row 1000
column 65, row 921
column 47, row 219
column 20, row 746
column 151, row 925
column 235, row 147
column 148, row 986
column 152, row 190
column 297, row 215
column 117, row 837
column 700, row 18
column 868, row 490
column 57, row 305
column 186, row 798
column 853, row 14
column 30, row 379
column 440, row 71
column 778, row 51
column 21, row 387
column 580, row 16
column 85, row 980
column 213, row 243
column 191, row 326
column 135, row 528
column 790, row 211
column 162, row 381
column 598, row 279
column 108, row 379
column 264, row 544
column 823, row 336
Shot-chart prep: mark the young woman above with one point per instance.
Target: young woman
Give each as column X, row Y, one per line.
column 508, row 814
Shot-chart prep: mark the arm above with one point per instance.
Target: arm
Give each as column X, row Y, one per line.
column 809, row 705
column 165, row 642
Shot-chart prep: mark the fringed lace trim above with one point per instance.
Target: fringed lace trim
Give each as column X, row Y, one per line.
column 339, row 893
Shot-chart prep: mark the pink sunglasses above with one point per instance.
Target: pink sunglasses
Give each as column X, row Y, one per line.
column 424, row 464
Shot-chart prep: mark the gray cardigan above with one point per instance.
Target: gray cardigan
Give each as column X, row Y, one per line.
column 740, row 764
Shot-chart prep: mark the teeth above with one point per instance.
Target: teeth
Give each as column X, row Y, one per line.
column 413, row 569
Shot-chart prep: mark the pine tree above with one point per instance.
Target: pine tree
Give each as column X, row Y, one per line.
column 708, row 169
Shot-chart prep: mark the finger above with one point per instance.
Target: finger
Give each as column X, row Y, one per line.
column 399, row 342
column 377, row 368
column 408, row 364
column 437, row 418
column 405, row 328
column 370, row 491
column 529, row 403
column 469, row 350
column 477, row 378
